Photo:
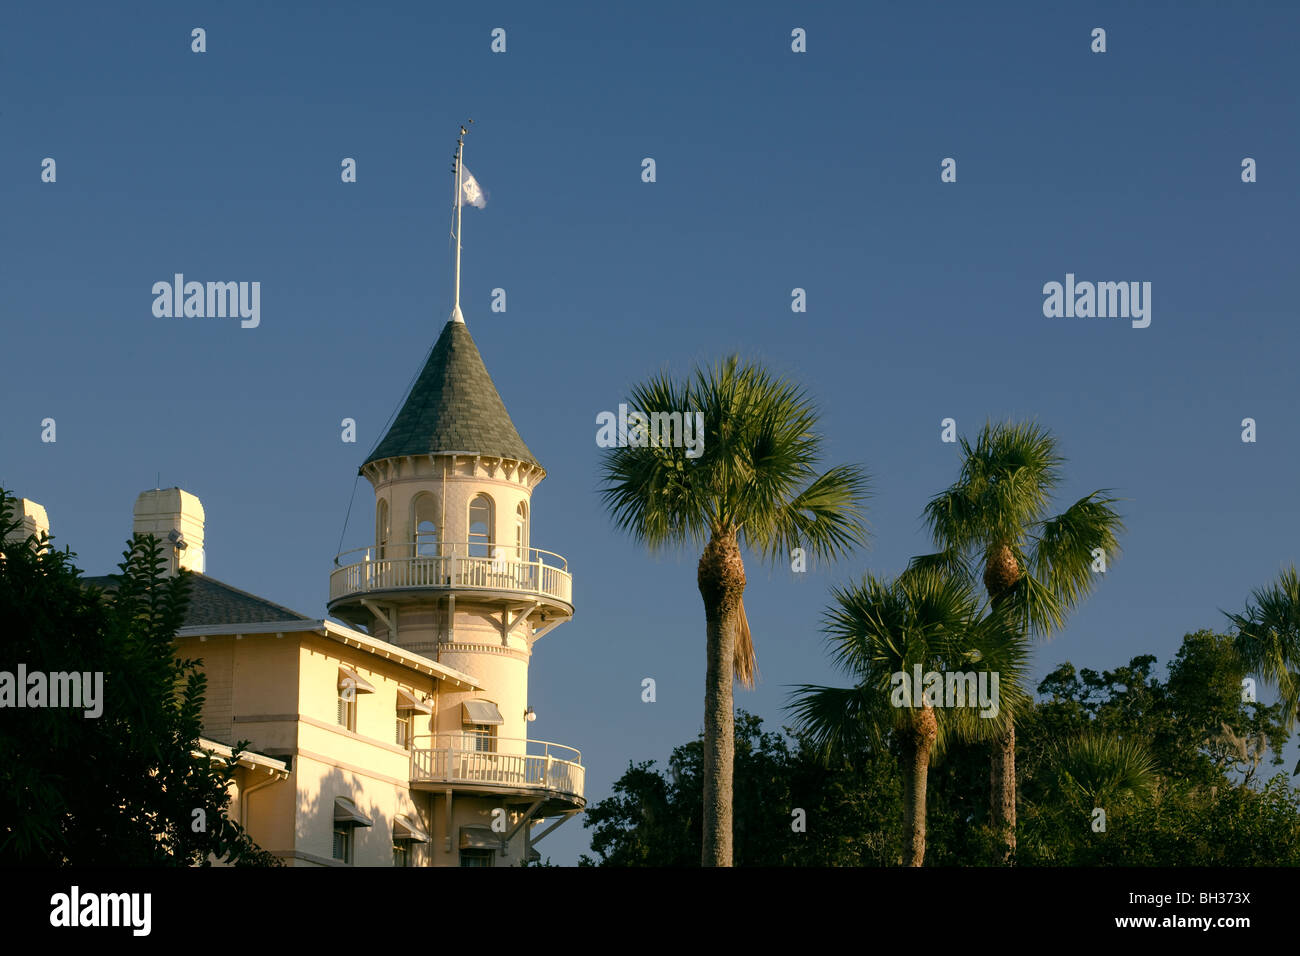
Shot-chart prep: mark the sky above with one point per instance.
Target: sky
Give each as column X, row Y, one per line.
column 774, row 171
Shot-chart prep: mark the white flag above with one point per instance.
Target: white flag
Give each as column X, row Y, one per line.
column 470, row 193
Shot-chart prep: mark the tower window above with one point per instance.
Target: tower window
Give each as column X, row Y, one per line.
column 480, row 527
column 521, row 532
column 381, row 529
column 426, row 539
column 481, row 737
column 475, row 857
column 424, row 519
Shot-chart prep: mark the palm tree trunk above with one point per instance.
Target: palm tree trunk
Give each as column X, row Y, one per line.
column 907, row 760
column 1002, row 787
column 917, row 774
column 721, row 579
column 1001, row 574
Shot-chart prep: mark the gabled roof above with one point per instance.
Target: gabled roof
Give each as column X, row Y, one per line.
column 453, row 407
column 215, row 602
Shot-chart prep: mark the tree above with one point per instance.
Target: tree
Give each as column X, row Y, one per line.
column 1096, row 770
column 1201, row 807
column 130, row 785
column 1268, row 640
column 791, row 810
column 994, row 518
column 755, row 483
column 882, row 633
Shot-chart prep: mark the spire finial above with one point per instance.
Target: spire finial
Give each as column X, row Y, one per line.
column 456, row 315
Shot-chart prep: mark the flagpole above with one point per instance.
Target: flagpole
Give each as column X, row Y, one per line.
column 456, row 315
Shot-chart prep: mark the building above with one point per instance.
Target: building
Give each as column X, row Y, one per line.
column 397, row 738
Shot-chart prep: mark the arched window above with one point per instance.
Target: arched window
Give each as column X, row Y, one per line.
column 480, row 527
column 521, row 532
column 424, row 514
column 381, row 528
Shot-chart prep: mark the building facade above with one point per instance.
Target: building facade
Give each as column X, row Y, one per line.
column 400, row 736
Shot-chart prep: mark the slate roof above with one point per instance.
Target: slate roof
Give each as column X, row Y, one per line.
column 214, row 602
column 453, row 407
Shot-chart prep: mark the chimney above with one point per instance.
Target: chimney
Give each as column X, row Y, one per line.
column 31, row 519
column 175, row 518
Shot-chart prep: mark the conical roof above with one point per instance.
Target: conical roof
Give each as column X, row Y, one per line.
column 453, row 407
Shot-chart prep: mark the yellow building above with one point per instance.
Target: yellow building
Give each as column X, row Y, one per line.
column 399, row 738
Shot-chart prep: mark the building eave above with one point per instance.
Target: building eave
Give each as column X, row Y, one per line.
column 247, row 758
column 344, row 635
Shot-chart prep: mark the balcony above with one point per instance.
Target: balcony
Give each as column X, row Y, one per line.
column 452, row 567
column 532, row 767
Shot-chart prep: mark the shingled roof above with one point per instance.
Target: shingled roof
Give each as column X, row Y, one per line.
column 214, row 602
column 453, row 407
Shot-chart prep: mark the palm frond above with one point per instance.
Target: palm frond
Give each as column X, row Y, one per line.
column 1093, row 770
column 1062, row 554
column 838, row 720
column 826, row 519
column 929, row 619
column 1268, row 639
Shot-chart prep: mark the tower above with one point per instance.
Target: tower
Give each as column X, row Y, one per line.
column 451, row 574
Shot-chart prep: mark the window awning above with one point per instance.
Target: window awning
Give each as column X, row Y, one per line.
column 481, row 712
column 408, row 701
column 408, row 828
column 362, row 686
column 475, row 837
column 345, row 811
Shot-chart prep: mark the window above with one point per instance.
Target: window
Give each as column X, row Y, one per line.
column 407, row 832
column 381, row 529
column 343, row 843
column 347, row 817
column 482, row 738
column 351, row 684
column 348, row 711
column 480, row 527
column 521, row 532
column 426, row 539
column 475, row 857
column 424, row 519
column 408, row 705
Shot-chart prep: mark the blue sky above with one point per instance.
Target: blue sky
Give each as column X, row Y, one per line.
column 775, row 170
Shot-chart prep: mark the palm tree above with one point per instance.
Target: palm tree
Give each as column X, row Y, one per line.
column 879, row 633
column 994, row 519
column 1094, row 770
column 1268, row 639
column 757, row 483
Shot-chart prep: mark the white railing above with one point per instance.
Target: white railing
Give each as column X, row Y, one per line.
column 457, row 758
column 452, row 566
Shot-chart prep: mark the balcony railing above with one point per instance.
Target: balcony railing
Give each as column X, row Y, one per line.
column 466, row 759
column 452, row 566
